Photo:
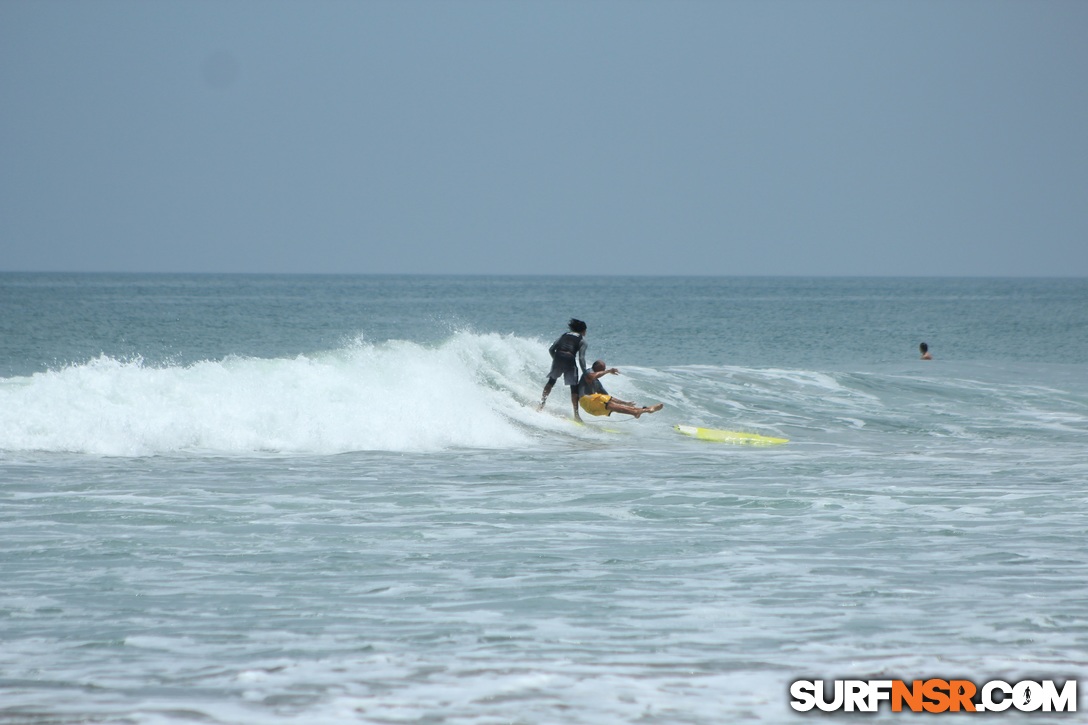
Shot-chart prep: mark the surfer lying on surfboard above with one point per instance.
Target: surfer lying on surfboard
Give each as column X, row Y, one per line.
column 596, row 401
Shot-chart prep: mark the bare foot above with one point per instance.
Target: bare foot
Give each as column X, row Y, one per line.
column 655, row 408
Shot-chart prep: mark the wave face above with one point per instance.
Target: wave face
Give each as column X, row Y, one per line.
column 480, row 391
column 395, row 396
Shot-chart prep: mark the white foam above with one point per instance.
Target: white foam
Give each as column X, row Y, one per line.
column 396, row 396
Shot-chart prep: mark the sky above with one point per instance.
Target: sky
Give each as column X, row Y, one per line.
column 589, row 137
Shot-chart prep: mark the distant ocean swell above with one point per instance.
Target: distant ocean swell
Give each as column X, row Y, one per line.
column 479, row 391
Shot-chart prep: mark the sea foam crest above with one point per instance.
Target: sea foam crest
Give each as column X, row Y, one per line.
column 471, row 390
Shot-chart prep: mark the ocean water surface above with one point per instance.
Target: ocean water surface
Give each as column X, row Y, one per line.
column 264, row 499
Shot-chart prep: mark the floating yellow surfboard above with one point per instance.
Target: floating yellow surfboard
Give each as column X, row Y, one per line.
column 729, row 436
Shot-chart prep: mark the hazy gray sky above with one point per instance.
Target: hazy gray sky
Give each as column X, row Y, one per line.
column 636, row 137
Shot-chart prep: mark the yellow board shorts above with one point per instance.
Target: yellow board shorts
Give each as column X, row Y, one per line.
column 595, row 404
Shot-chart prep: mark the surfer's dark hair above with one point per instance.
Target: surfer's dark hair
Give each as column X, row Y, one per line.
column 598, row 366
column 923, row 347
column 576, row 325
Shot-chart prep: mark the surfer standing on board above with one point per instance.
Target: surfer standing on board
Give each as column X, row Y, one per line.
column 570, row 347
column 596, row 401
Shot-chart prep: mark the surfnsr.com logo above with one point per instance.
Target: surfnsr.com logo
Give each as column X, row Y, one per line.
column 933, row 695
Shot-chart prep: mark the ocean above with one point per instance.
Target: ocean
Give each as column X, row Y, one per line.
column 330, row 499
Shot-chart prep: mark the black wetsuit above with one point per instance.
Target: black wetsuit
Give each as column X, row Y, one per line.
column 566, row 351
column 590, row 387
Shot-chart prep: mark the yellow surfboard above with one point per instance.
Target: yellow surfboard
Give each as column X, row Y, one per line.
column 595, row 426
column 729, row 436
